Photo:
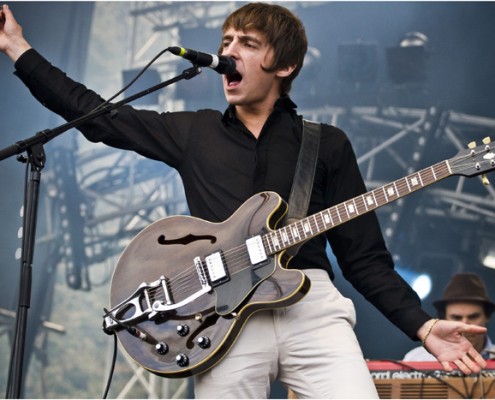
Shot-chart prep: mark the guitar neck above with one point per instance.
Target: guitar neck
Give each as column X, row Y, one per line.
column 311, row 226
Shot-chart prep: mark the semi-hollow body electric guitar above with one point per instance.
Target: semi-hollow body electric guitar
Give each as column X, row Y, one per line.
column 183, row 288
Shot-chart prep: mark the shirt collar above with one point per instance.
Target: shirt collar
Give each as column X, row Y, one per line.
column 284, row 103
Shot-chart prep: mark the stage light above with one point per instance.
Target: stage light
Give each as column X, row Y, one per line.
column 487, row 252
column 489, row 259
column 420, row 282
column 422, row 285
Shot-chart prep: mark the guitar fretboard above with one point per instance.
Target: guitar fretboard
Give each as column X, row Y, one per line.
column 311, row 226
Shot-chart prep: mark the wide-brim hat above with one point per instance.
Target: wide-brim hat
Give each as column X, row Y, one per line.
column 465, row 287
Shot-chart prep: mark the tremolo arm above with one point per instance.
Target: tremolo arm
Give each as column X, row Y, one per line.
column 139, row 304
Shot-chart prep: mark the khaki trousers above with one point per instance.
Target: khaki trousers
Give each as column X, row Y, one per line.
column 310, row 347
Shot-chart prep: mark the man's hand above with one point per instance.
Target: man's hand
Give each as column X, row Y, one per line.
column 447, row 343
column 12, row 41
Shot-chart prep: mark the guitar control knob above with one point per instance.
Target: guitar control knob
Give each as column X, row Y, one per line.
column 161, row 348
column 204, row 342
column 182, row 360
column 182, row 330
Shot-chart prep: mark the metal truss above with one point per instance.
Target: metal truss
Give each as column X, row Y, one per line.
column 393, row 142
column 154, row 23
column 403, row 140
column 124, row 192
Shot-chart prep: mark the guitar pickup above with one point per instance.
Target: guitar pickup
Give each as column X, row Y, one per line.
column 216, row 268
column 256, row 251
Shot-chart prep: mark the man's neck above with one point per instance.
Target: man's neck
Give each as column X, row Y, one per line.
column 254, row 116
column 253, row 119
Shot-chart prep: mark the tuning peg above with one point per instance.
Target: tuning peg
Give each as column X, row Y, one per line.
column 486, row 142
column 472, row 146
column 485, row 180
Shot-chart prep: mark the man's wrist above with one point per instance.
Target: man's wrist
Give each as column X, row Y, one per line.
column 425, row 330
column 14, row 52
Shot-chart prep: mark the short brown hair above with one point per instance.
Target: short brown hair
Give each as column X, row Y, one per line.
column 283, row 30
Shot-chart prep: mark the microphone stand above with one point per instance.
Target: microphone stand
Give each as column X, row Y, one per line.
column 35, row 161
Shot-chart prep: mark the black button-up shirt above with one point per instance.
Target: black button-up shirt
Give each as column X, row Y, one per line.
column 222, row 164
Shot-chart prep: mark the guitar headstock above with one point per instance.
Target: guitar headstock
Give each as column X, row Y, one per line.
column 475, row 160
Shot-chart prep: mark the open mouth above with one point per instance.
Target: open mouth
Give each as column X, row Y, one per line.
column 234, row 78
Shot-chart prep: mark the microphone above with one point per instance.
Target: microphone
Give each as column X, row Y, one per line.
column 221, row 64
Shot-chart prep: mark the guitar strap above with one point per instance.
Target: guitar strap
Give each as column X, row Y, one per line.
column 304, row 175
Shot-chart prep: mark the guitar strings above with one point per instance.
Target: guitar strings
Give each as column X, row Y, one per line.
column 188, row 280
column 469, row 157
column 237, row 258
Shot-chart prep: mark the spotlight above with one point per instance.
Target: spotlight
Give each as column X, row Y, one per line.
column 489, row 260
column 487, row 253
column 421, row 283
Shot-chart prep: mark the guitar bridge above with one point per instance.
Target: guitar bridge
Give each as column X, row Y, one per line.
column 143, row 303
column 135, row 307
